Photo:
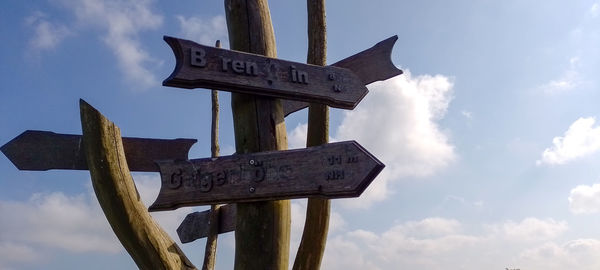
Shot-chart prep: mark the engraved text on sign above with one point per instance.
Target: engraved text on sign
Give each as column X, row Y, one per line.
column 335, row 170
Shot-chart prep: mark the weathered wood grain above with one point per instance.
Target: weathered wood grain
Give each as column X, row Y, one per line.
column 147, row 243
column 316, row 225
column 335, row 170
column 260, row 75
column 262, row 235
column 371, row 65
column 35, row 150
column 196, row 225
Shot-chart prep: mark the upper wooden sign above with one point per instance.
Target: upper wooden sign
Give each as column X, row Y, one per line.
column 341, row 85
column 335, row 170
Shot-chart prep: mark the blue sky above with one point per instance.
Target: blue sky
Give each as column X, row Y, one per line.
column 490, row 138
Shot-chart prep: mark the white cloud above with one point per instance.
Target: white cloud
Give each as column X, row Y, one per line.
column 397, row 122
column 533, row 229
column 439, row 243
column 595, row 10
column 297, row 137
column 204, row 31
column 576, row 254
column 71, row 223
column 580, row 140
column 47, row 35
column 14, row 253
column 51, row 223
column 585, row 199
column 122, row 21
column 567, row 81
column 467, row 114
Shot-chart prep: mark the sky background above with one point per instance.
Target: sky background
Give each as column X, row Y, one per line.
column 490, row 138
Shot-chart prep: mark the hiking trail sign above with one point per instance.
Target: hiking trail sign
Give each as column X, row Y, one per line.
column 35, row 150
column 334, row 170
column 341, row 85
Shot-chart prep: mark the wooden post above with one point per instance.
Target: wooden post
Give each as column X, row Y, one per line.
column 262, row 231
column 147, row 243
column 213, row 221
column 316, row 226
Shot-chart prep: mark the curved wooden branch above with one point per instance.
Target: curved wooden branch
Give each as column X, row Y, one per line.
column 316, row 226
column 147, row 243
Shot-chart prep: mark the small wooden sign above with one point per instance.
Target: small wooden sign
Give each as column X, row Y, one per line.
column 195, row 225
column 35, row 150
column 335, row 170
column 341, row 86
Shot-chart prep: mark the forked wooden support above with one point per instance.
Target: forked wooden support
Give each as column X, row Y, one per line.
column 145, row 241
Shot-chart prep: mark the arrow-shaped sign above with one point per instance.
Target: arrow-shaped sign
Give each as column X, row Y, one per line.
column 341, row 85
column 36, row 150
column 195, row 225
column 335, row 170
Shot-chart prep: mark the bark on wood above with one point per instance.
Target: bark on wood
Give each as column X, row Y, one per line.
column 147, row 243
column 210, row 251
column 316, row 226
column 263, row 228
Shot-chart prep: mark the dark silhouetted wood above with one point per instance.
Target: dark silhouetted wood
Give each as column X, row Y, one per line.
column 371, row 65
column 335, row 170
column 35, row 150
column 256, row 74
column 316, row 225
column 195, row 225
column 149, row 246
column 341, row 85
column 262, row 233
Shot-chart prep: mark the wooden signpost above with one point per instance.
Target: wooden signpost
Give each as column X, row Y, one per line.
column 341, row 85
column 335, row 170
column 35, row 150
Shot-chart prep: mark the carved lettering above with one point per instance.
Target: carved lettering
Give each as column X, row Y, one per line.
column 176, row 179
column 286, row 172
column 239, row 67
column 353, row 159
column 221, row 178
column 197, row 57
column 338, row 88
column 225, row 63
column 206, row 182
column 333, row 160
column 335, row 175
column 298, row 76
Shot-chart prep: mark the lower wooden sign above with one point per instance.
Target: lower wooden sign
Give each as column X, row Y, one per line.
column 195, row 225
column 334, row 170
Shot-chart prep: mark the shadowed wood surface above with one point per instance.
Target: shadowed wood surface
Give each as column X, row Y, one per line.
column 334, row 170
column 255, row 74
column 35, row 150
column 147, row 243
column 316, row 225
column 195, row 225
column 262, row 234
column 371, row 65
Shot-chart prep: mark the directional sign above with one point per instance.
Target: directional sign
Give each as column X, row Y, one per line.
column 36, row 150
column 341, row 85
column 335, row 170
column 195, row 225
